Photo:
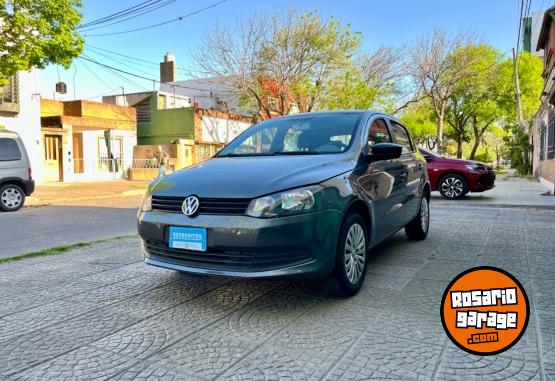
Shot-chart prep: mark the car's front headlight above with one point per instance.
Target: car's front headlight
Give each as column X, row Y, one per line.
column 294, row 201
column 146, row 202
column 476, row 167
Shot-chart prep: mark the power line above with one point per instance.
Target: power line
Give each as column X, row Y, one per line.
column 155, row 64
column 149, row 9
column 121, row 13
column 151, row 79
column 94, row 74
column 179, row 18
column 121, row 62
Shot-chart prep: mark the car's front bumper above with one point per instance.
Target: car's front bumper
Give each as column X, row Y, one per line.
column 482, row 181
column 301, row 246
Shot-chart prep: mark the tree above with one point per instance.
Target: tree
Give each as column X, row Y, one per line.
column 437, row 72
column 369, row 82
column 529, row 70
column 496, row 139
column 275, row 63
column 419, row 118
column 34, row 33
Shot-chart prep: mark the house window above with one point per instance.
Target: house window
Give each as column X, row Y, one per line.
column 114, row 161
column 542, row 142
column 9, row 93
column 550, row 146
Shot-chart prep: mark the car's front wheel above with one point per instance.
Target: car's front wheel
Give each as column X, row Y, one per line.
column 418, row 228
column 351, row 258
column 453, row 186
column 12, row 198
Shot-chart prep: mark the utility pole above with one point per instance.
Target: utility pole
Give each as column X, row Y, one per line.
column 517, row 93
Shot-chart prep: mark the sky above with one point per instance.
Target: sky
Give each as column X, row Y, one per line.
column 391, row 22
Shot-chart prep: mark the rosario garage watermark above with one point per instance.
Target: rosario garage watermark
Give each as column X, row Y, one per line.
column 485, row 310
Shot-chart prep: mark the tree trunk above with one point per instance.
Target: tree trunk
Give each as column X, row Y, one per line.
column 474, row 148
column 459, row 146
column 439, row 142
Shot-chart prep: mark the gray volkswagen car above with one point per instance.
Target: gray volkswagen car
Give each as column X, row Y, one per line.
column 302, row 196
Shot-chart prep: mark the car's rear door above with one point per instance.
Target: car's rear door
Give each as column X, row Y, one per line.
column 413, row 170
column 12, row 160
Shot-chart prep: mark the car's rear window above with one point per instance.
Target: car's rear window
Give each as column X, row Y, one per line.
column 9, row 150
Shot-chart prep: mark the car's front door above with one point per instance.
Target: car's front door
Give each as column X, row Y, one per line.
column 413, row 168
column 383, row 183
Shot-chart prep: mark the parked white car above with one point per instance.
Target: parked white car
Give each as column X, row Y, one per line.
column 16, row 181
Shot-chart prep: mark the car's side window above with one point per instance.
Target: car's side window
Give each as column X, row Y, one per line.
column 9, row 150
column 378, row 133
column 401, row 137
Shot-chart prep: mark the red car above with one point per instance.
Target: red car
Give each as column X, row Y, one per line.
column 454, row 178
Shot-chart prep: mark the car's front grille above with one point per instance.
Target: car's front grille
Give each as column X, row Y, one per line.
column 233, row 206
column 230, row 259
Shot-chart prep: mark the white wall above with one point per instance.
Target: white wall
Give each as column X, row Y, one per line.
column 27, row 122
column 217, row 130
column 90, row 156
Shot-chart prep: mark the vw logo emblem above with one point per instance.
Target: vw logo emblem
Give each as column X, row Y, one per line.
column 190, row 206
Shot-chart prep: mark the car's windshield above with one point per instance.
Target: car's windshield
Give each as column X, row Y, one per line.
column 297, row 135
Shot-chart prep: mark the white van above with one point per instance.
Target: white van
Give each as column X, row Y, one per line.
column 15, row 172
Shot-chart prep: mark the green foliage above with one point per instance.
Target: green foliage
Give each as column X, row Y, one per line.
column 519, row 149
column 349, row 91
column 420, row 119
column 34, row 33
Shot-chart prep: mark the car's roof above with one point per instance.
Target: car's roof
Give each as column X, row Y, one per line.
column 10, row 134
column 328, row 112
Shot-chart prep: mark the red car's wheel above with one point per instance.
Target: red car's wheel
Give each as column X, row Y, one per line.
column 453, row 186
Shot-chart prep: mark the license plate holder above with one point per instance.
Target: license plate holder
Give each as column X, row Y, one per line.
column 187, row 238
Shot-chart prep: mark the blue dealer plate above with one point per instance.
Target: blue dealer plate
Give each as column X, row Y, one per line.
column 188, row 238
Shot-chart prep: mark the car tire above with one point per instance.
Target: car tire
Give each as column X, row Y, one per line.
column 12, row 198
column 418, row 228
column 453, row 186
column 351, row 258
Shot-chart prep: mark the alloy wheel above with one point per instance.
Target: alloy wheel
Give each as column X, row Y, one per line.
column 355, row 253
column 11, row 198
column 452, row 187
column 424, row 214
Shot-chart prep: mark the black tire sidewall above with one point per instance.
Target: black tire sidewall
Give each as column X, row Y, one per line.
column 4, row 207
column 339, row 270
column 457, row 176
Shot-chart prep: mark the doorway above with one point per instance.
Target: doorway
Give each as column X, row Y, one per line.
column 53, row 158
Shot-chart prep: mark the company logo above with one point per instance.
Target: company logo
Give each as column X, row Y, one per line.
column 190, row 206
column 485, row 310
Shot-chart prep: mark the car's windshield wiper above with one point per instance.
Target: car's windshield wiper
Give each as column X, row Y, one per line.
column 297, row 153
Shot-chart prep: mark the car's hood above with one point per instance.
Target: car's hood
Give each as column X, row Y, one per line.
column 248, row 177
column 460, row 161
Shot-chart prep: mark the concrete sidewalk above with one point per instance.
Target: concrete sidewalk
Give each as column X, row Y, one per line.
column 508, row 192
column 67, row 193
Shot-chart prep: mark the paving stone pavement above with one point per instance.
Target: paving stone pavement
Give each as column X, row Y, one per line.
column 99, row 313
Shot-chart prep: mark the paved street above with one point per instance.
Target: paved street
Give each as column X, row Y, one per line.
column 99, row 313
column 36, row 228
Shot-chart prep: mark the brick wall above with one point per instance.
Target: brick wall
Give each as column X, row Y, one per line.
column 546, row 169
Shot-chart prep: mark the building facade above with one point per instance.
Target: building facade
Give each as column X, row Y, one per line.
column 543, row 131
column 20, row 112
column 87, row 141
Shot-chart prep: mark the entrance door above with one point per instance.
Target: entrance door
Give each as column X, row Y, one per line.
column 52, row 158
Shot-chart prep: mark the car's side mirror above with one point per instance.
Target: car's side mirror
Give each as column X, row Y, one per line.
column 385, row 151
column 427, row 158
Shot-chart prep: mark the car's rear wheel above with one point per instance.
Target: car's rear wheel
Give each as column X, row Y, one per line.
column 351, row 258
column 12, row 198
column 453, row 186
column 418, row 228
